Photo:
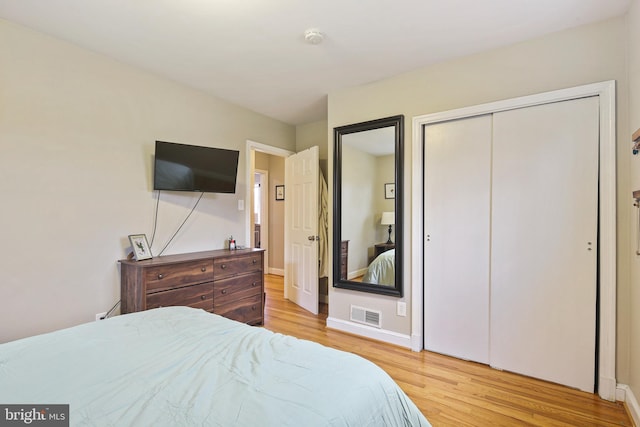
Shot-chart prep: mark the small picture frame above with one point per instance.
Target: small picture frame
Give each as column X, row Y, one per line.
column 140, row 247
column 279, row 192
column 390, row 190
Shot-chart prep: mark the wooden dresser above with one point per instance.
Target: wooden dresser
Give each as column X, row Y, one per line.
column 344, row 259
column 383, row 247
column 228, row 283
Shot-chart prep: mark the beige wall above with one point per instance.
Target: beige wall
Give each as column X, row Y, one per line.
column 385, row 167
column 633, row 301
column 314, row 134
column 276, row 214
column 570, row 58
column 77, row 134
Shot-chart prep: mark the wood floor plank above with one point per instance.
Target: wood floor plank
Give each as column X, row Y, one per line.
column 449, row 391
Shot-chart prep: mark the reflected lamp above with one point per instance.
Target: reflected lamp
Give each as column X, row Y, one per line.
column 388, row 218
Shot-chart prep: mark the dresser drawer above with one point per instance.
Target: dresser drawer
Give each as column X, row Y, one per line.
column 230, row 266
column 196, row 296
column 234, row 288
column 169, row 276
column 246, row 310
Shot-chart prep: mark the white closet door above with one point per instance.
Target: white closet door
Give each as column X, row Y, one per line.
column 544, row 242
column 457, row 164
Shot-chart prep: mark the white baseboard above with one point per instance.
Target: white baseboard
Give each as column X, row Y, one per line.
column 390, row 337
column 625, row 394
column 276, row 271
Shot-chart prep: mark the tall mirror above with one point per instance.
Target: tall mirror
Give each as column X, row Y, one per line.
column 368, row 189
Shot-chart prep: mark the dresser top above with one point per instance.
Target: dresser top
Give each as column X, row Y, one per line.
column 192, row 256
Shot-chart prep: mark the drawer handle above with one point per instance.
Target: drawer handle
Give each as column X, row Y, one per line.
column 160, row 276
column 224, row 291
column 203, row 269
column 254, row 283
column 223, row 266
column 255, row 260
column 202, row 297
column 253, row 307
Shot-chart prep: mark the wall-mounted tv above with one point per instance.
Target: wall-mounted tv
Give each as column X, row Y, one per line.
column 182, row 167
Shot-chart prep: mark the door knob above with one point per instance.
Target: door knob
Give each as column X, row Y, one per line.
column 312, row 238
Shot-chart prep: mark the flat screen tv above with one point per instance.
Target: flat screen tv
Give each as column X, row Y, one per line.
column 182, row 167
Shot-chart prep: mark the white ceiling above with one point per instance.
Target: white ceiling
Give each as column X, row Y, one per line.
column 253, row 53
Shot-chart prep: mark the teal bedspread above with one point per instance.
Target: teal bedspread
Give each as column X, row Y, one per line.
column 179, row 366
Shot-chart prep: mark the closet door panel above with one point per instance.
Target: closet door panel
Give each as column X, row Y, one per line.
column 457, row 164
column 544, row 242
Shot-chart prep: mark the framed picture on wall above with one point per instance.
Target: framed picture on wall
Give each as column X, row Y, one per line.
column 140, row 247
column 279, row 192
column 390, row 191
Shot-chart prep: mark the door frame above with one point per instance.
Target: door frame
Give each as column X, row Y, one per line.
column 250, row 164
column 607, row 214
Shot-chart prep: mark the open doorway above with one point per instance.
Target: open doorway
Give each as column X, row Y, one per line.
column 265, row 214
column 260, row 208
column 262, row 167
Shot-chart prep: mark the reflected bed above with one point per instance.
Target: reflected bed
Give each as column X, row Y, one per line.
column 382, row 270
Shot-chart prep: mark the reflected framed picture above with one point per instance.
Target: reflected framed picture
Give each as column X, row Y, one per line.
column 390, row 191
column 279, row 192
column 140, row 247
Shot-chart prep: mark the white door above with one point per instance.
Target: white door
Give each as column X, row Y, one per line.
column 544, row 241
column 301, row 228
column 457, row 164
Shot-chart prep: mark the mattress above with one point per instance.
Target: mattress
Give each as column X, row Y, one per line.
column 179, row 366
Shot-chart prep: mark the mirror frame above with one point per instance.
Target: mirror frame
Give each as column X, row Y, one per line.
column 398, row 123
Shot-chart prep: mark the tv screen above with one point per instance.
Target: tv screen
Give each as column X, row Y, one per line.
column 181, row 167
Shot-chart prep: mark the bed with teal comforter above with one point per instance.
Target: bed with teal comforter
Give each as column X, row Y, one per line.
column 178, row 366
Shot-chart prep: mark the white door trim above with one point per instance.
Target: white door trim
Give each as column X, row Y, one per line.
column 607, row 219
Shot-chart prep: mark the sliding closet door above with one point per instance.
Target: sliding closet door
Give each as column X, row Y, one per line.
column 457, row 164
column 544, row 242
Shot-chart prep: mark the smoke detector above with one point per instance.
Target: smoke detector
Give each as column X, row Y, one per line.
column 313, row 36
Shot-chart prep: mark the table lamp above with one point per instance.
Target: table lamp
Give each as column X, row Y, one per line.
column 388, row 218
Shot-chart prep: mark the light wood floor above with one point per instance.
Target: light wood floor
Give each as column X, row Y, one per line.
column 448, row 391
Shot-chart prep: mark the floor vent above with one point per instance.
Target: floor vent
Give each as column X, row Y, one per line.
column 366, row 316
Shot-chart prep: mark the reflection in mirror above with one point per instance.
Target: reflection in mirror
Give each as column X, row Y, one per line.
column 368, row 206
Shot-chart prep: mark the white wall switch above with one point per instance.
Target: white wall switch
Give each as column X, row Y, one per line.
column 241, row 205
column 401, row 309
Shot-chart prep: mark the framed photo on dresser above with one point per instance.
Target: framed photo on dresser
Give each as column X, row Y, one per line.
column 140, row 247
